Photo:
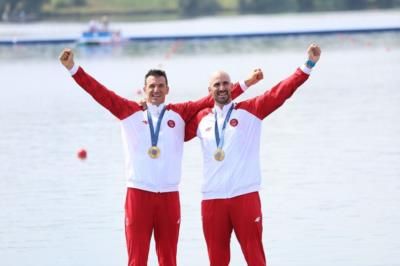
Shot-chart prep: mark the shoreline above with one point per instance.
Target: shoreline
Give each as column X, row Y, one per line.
column 245, row 26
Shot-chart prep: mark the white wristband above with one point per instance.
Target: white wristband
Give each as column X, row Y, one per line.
column 306, row 69
column 243, row 85
column 74, row 69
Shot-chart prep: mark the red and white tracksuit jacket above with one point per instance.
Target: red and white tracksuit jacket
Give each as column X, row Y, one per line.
column 239, row 173
column 155, row 175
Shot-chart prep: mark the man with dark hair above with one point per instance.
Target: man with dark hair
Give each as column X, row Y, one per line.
column 230, row 140
column 156, row 72
column 153, row 141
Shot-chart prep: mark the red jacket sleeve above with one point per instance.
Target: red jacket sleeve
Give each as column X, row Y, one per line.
column 261, row 106
column 118, row 106
column 188, row 110
column 193, row 124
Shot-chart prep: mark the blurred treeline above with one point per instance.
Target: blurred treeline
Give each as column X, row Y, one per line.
column 25, row 10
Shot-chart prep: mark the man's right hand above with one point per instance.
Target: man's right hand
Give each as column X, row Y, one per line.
column 67, row 58
column 143, row 104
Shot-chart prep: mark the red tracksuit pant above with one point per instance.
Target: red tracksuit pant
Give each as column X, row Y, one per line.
column 147, row 211
column 241, row 214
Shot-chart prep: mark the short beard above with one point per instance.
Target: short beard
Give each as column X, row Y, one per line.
column 223, row 102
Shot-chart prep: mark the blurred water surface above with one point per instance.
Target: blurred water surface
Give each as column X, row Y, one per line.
column 331, row 171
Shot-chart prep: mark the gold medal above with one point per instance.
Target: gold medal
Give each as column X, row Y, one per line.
column 154, row 152
column 219, row 154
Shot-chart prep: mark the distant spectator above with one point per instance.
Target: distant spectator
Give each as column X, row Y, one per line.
column 104, row 23
column 97, row 26
column 94, row 26
column 6, row 12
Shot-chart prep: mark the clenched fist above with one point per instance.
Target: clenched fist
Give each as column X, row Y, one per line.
column 67, row 58
column 314, row 52
column 254, row 77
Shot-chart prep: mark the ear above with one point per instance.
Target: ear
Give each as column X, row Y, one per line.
column 209, row 89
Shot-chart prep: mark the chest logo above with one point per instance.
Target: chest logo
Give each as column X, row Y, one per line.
column 144, row 122
column 171, row 123
column 234, row 122
column 208, row 129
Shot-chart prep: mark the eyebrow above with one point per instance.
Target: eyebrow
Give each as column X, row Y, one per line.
column 219, row 82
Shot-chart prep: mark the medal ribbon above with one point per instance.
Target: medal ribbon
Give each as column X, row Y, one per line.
column 220, row 140
column 154, row 134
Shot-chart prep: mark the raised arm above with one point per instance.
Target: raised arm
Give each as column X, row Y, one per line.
column 118, row 106
column 272, row 99
column 239, row 87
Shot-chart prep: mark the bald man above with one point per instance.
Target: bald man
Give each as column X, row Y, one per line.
column 230, row 140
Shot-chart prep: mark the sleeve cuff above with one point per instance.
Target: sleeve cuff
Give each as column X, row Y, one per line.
column 74, row 69
column 305, row 69
column 243, row 85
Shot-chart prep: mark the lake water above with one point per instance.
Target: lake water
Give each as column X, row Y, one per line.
column 330, row 156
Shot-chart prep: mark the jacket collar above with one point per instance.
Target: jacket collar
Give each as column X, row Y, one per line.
column 222, row 112
column 154, row 109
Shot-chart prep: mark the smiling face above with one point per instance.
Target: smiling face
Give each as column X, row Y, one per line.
column 156, row 88
column 220, row 87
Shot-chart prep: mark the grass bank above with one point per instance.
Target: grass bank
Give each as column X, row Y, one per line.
column 126, row 10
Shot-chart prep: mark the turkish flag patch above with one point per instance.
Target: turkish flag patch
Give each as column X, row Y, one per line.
column 234, row 122
column 171, row 123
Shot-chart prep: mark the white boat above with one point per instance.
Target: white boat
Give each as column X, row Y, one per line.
column 100, row 37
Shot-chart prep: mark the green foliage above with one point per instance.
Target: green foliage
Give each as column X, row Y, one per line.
column 20, row 10
column 33, row 6
column 155, row 5
column 386, row 3
column 190, row 8
column 17, row 9
column 305, row 5
column 272, row 6
column 264, row 6
column 357, row 4
column 67, row 3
